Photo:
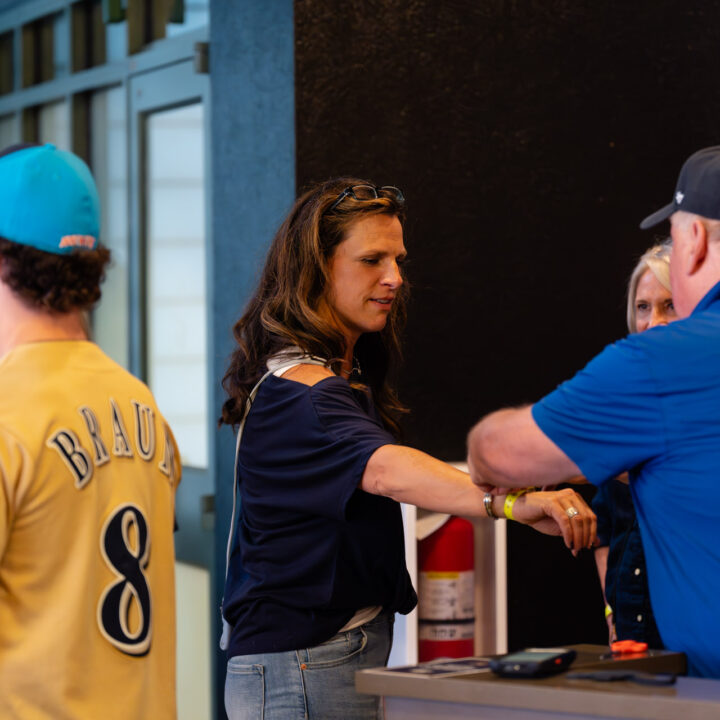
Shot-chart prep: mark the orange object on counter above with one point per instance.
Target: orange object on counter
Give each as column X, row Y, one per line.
column 624, row 647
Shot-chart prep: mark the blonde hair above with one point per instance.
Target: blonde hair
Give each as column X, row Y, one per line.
column 656, row 259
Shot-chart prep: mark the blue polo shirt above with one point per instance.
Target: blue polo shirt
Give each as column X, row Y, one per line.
column 311, row 547
column 650, row 404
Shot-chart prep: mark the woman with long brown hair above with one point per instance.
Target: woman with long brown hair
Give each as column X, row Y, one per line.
column 316, row 569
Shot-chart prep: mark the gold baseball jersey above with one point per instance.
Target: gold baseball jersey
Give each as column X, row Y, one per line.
column 88, row 472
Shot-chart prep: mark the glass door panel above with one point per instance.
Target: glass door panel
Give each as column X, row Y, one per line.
column 176, row 329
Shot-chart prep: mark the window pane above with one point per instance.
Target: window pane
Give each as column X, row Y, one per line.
column 7, row 63
column 196, row 16
column 9, row 131
column 116, row 40
column 108, row 157
column 61, row 44
column 175, row 276
column 54, row 124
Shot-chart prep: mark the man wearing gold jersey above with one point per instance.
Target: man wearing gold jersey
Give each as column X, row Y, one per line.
column 88, row 472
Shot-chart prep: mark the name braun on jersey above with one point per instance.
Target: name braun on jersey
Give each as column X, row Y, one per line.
column 82, row 463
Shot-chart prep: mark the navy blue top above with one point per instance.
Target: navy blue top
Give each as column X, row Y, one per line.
column 311, row 547
column 650, row 404
column 626, row 586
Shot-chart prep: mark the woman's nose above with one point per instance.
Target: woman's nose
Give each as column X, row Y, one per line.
column 658, row 317
column 393, row 279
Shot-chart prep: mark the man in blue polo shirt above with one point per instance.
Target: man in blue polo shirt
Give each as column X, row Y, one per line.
column 648, row 404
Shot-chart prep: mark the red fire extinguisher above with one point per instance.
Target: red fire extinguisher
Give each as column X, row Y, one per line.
column 446, row 592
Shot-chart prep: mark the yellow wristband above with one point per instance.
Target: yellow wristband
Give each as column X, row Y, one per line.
column 608, row 611
column 510, row 499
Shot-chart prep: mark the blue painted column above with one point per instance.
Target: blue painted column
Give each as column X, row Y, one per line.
column 252, row 150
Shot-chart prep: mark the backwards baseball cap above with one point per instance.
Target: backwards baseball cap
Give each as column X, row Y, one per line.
column 697, row 190
column 48, row 200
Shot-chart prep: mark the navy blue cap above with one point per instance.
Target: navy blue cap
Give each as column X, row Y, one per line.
column 697, row 190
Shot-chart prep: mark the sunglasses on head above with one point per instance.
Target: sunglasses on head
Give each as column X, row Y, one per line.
column 366, row 192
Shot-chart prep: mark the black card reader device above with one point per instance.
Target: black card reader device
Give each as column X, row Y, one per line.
column 533, row 662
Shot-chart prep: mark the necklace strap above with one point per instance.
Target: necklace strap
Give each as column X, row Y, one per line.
column 274, row 365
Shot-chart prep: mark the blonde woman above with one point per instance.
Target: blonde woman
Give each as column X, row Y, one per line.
column 620, row 558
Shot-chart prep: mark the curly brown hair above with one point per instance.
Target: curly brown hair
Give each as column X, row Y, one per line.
column 285, row 309
column 59, row 283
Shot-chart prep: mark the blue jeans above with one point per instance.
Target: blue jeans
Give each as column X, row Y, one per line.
column 315, row 683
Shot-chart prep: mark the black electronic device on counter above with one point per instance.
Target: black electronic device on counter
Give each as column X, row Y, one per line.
column 533, row 662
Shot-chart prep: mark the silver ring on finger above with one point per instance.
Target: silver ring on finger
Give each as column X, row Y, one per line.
column 571, row 512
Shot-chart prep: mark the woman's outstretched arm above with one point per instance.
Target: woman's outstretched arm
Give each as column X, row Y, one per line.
column 411, row 476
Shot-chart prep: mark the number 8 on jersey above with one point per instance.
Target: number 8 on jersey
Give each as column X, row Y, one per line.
column 124, row 611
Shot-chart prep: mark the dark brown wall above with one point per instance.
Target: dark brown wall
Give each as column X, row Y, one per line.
column 530, row 139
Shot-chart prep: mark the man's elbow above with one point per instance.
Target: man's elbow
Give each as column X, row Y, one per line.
column 490, row 448
column 476, row 442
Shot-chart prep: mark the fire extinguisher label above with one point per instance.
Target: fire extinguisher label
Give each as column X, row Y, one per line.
column 437, row 632
column 446, row 595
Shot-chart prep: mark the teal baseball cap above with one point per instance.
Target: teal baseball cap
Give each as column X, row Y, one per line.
column 48, row 200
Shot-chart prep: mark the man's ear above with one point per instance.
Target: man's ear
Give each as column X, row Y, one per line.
column 697, row 247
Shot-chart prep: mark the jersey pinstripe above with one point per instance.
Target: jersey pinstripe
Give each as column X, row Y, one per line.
column 88, row 472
